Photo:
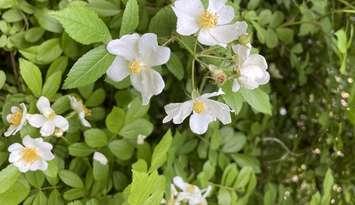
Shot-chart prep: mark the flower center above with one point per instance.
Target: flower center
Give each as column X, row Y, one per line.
column 198, row 106
column 29, row 155
column 135, row 67
column 51, row 115
column 87, row 112
column 16, row 118
column 207, row 19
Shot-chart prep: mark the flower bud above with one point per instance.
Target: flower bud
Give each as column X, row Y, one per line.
column 219, row 76
column 244, row 39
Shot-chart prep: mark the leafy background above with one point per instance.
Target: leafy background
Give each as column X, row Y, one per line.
column 303, row 157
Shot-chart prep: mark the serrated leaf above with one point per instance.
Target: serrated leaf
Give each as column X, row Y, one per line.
column 17, row 193
column 160, row 152
column 89, row 68
column 130, row 18
column 71, row 179
column 257, row 99
column 135, row 128
column 121, row 149
column 52, row 85
column 8, row 177
column 95, row 137
column 32, row 76
column 115, row 119
column 83, row 25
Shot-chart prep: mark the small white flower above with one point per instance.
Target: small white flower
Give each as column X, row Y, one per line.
column 191, row 194
column 81, row 110
column 213, row 25
column 203, row 109
column 136, row 56
column 17, row 119
column 251, row 69
column 141, row 139
column 49, row 122
column 98, row 156
column 32, row 155
column 283, row 111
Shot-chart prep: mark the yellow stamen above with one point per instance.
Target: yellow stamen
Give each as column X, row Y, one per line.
column 198, row 106
column 207, row 19
column 29, row 155
column 16, row 118
column 87, row 112
column 190, row 188
column 135, row 67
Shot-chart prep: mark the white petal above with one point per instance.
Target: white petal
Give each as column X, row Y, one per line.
column 177, row 112
column 29, row 141
column 236, row 86
column 47, row 129
column 15, row 147
column 225, row 15
column 15, row 155
column 148, row 82
column 15, row 109
column 242, row 28
column 205, row 38
column 256, row 60
column 10, row 131
column 22, row 166
column 213, row 94
column 126, row 46
column 43, row 105
column 219, row 110
column 188, row 8
column 83, row 121
column 180, row 183
column 46, row 154
column 242, row 51
column 224, row 34
column 61, row 122
column 150, row 52
column 98, row 156
column 186, row 26
column 216, row 5
column 36, row 120
column 199, row 123
column 118, row 70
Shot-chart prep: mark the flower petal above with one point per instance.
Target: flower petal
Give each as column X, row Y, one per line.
column 148, row 82
column 29, row 141
column 118, row 70
column 219, row 110
column 47, row 129
column 15, row 147
column 36, row 120
column 150, row 52
column 180, row 183
column 61, row 122
column 188, row 8
column 43, row 105
column 126, row 46
column 213, row 94
column 205, row 38
column 177, row 112
column 225, row 15
column 199, row 123
column 224, row 34
column 15, row 109
column 11, row 130
column 243, row 52
column 236, row 86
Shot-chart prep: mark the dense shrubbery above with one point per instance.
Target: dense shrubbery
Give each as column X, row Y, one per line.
column 73, row 135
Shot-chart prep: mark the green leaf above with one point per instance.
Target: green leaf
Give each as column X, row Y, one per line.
column 271, row 38
column 60, row 64
column 104, row 8
column 2, row 79
column 130, row 18
column 8, row 177
column 160, row 152
column 163, row 23
column 121, row 149
column 233, row 99
column 257, row 99
column 136, row 110
column 285, row 34
column 47, row 22
column 135, row 128
column 40, row 199
column 232, row 142
column 32, row 76
column 327, row 187
column 96, row 98
column 89, row 68
column 83, row 25
column 71, row 179
column 44, row 53
column 72, row 194
column 146, row 189
column 80, row 150
column 36, row 178
column 55, row 198
column 100, row 171
column 17, row 193
column 52, row 85
column 270, row 194
column 175, row 66
column 114, row 121
column 95, row 137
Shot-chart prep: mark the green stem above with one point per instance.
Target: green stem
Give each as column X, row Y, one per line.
column 193, row 68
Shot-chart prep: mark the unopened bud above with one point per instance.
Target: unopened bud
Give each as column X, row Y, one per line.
column 244, row 39
column 219, row 77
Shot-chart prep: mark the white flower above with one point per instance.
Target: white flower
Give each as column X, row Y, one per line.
column 190, row 193
column 17, row 119
column 101, row 158
column 49, row 122
column 32, row 155
column 251, row 69
column 213, row 24
column 136, row 56
column 203, row 109
column 81, row 110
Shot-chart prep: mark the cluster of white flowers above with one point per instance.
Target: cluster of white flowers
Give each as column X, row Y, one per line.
column 214, row 26
column 188, row 193
column 34, row 153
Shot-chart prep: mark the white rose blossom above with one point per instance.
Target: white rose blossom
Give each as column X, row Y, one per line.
column 16, row 119
column 82, row 111
column 251, row 69
column 190, row 193
column 136, row 57
column 203, row 109
column 32, row 155
column 213, row 25
column 49, row 122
